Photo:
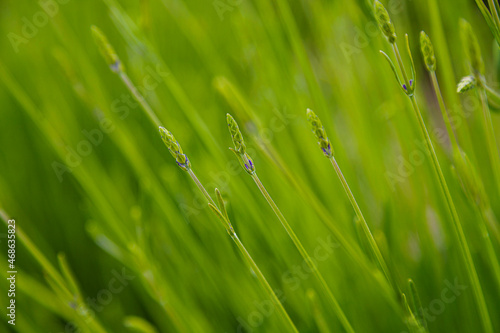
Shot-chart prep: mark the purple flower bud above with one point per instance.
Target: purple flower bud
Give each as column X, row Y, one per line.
column 116, row 66
column 327, row 151
column 185, row 165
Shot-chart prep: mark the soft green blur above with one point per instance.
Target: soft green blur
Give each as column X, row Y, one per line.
column 84, row 171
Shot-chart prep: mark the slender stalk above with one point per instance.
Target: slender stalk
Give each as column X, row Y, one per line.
column 446, row 70
column 442, row 106
column 348, row 244
column 87, row 182
column 318, row 316
column 490, row 133
column 366, row 230
column 457, row 227
column 60, row 283
column 201, row 187
column 139, row 98
column 492, row 222
column 490, row 251
column 264, row 282
column 248, row 258
column 459, row 233
column 494, row 12
column 304, row 254
column 483, row 211
column 400, row 63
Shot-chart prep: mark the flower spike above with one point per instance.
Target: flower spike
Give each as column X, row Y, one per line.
column 472, row 49
column 239, row 145
column 319, row 131
column 427, row 52
column 107, row 50
column 175, row 149
column 466, row 83
column 384, row 21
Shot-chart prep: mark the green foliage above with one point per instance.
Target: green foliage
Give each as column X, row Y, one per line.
column 113, row 237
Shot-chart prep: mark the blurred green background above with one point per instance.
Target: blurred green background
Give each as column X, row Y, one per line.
column 85, row 173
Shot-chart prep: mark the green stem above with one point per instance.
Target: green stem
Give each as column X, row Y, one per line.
column 459, row 233
column 491, row 221
column 481, row 213
column 318, row 316
column 444, row 112
column 139, row 98
column 491, row 94
column 201, row 187
column 248, row 258
column 457, row 227
column 264, row 282
column 494, row 12
column 400, row 62
column 490, row 250
column 309, row 196
column 366, row 230
column 304, row 254
column 449, row 79
column 90, row 321
column 87, row 182
column 490, row 134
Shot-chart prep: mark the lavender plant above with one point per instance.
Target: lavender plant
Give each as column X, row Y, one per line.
column 247, row 164
column 470, row 182
column 116, row 66
column 477, row 80
column 408, row 87
column 325, row 146
column 59, row 106
column 220, row 211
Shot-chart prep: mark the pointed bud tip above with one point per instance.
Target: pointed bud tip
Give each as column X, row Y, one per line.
column 164, row 131
column 107, row 50
column 427, row 52
column 472, row 48
column 384, row 21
